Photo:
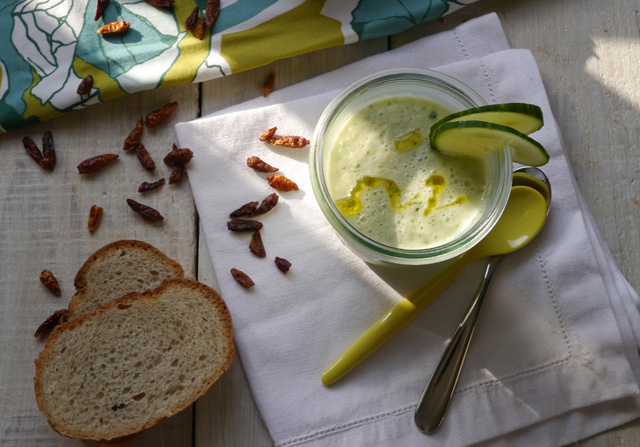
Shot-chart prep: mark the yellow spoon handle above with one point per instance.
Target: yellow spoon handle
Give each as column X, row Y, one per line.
column 397, row 318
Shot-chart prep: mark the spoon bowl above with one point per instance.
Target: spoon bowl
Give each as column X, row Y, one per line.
column 522, row 219
column 517, row 226
column 534, row 178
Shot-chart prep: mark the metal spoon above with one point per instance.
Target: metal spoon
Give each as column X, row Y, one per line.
column 437, row 395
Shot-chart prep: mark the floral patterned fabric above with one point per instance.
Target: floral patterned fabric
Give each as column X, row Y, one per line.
column 51, row 45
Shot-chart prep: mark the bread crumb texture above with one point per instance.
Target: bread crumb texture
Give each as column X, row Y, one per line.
column 134, row 362
column 118, row 269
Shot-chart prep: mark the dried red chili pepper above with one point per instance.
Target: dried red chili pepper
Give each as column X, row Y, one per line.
column 146, row 186
column 192, row 19
column 58, row 317
column 95, row 217
column 242, row 278
column 267, row 87
column 144, row 157
column 243, row 225
column 48, row 151
column 114, row 28
column 282, row 264
column 50, row 282
column 259, row 165
column 160, row 3
column 33, row 150
column 178, row 156
column 176, row 174
column 256, row 246
column 91, row 165
column 158, row 116
column 101, row 5
column 212, row 9
column 134, row 136
column 200, row 28
column 85, row 85
column 145, row 211
column 244, row 210
column 280, row 182
column 267, row 204
column 288, row 141
column 268, row 134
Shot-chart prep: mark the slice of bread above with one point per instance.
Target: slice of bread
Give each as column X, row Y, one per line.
column 117, row 269
column 134, row 362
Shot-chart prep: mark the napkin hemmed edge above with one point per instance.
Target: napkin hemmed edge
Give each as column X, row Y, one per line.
column 624, row 410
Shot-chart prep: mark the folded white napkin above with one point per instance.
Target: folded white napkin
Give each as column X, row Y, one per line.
column 555, row 354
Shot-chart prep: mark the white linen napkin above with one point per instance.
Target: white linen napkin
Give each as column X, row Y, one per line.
column 555, row 354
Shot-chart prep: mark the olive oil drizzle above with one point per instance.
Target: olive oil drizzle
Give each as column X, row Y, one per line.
column 407, row 141
column 352, row 205
column 437, row 183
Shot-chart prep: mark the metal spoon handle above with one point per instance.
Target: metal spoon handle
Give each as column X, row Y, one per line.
column 435, row 398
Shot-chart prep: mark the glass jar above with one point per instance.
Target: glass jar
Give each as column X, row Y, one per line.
column 403, row 82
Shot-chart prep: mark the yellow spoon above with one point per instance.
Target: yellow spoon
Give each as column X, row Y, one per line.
column 522, row 219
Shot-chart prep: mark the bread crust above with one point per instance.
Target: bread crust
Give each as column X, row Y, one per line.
column 119, row 442
column 226, row 329
column 80, row 280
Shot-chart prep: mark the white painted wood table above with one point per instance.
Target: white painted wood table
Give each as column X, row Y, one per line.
column 588, row 52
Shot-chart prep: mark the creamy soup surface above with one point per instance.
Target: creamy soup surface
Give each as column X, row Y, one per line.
column 392, row 187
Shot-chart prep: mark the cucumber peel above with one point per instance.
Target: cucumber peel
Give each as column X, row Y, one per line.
column 525, row 118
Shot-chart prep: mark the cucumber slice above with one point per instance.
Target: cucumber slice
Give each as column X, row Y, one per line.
column 479, row 139
column 525, row 118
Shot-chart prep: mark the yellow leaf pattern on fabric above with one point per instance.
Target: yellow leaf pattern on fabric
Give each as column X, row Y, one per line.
column 34, row 106
column 193, row 51
column 298, row 31
column 108, row 87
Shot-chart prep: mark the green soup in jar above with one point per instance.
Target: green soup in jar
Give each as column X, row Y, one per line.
column 389, row 184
